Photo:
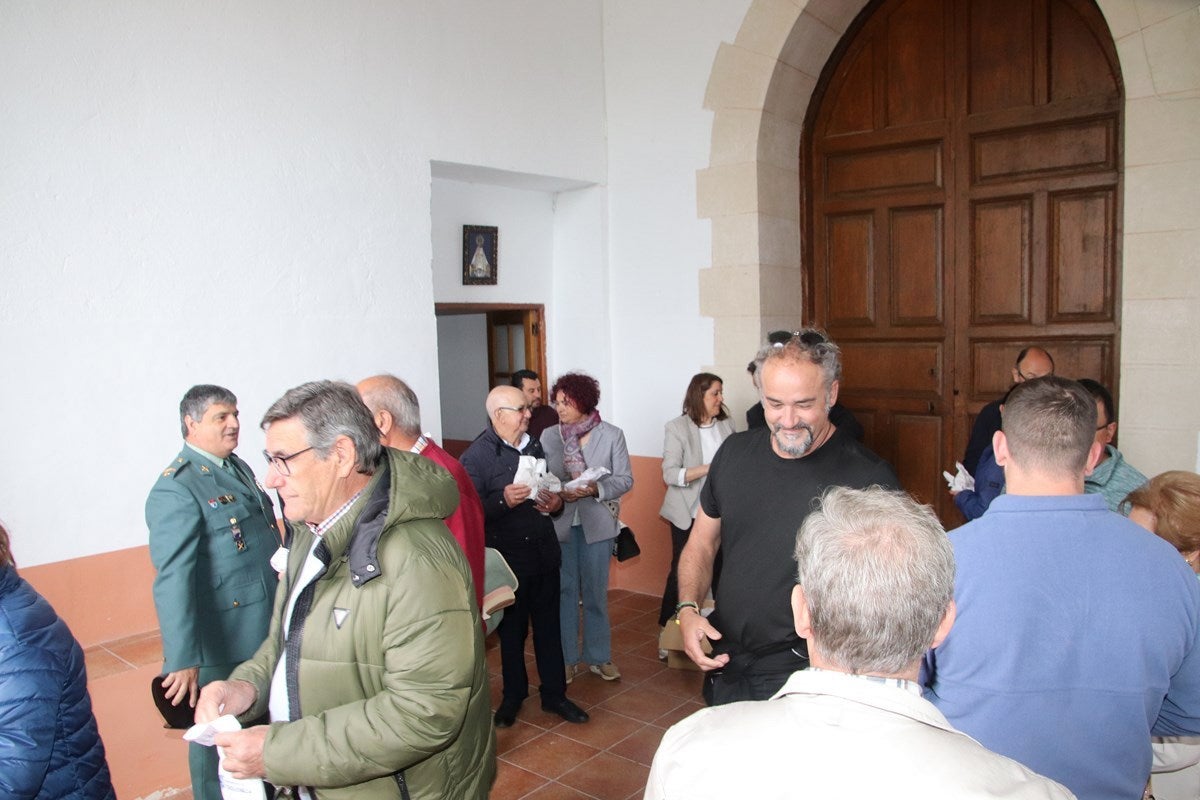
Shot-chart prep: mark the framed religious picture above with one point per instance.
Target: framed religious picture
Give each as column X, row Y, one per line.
column 480, row 246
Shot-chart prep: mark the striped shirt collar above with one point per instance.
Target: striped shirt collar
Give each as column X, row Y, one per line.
column 332, row 519
column 912, row 687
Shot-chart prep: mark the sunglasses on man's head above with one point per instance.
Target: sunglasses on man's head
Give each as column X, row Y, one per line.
column 808, row 337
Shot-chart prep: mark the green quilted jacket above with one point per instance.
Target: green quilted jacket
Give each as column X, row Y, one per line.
column 388, row 665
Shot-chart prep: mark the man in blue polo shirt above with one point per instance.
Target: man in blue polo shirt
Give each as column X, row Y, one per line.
column 1076, row 636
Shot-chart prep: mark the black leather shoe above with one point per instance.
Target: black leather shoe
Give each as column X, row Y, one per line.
column 567, row 710
column 506, row 714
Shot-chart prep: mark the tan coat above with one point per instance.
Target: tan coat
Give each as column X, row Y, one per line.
column 681, row 448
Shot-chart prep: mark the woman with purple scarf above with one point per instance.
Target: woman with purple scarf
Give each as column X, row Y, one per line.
column 588, row 524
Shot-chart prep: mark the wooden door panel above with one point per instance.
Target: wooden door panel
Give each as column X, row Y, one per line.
column 857, row 84
column 916, row 455
column 915, row 264
column 1081, row 147
column 1000, row 64
column 915, row 58
column 1001, row 265
column 993, row 361
column 913, row 368
column 991, row 372
column 962, row 202
column 851, row 275
column 1082, row 256
column 1085, row 358
column 1077, row 63
column 884, row 169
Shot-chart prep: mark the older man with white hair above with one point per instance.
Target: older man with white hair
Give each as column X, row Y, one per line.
column 517, row 523
column 397, row 414
column 875, row 583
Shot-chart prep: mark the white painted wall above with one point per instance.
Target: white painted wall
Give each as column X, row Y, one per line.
column 526, row 222
column 657, row 59
column 239, row 193
column 580, row 323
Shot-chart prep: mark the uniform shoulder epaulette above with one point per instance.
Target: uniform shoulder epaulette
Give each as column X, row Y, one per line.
column 176, row 465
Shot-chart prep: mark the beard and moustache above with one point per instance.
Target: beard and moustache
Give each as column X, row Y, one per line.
column 796, row 448
column 799, row 447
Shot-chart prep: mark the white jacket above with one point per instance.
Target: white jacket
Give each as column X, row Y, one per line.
column 827, row 734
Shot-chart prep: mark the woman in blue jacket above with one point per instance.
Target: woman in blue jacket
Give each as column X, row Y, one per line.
column 49, row 744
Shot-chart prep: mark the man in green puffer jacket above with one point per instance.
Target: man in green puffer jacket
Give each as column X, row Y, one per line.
column 372, row 671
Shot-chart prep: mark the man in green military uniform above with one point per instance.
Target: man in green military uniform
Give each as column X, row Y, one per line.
column 212, row 535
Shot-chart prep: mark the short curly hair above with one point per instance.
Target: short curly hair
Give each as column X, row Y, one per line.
column 580, row 388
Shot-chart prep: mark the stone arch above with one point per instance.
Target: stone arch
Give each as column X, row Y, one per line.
column 759, row 90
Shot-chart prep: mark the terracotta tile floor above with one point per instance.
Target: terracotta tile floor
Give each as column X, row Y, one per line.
column 608, row 758
column 542, row 757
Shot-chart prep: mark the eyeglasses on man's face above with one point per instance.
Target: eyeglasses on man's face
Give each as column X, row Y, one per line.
column 280, row 463
column 517, row 409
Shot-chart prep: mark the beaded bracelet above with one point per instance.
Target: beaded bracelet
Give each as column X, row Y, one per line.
column 686, row 604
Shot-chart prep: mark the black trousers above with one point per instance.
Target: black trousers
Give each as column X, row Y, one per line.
column 536, row 603
column 670, row 598
column 748, row 676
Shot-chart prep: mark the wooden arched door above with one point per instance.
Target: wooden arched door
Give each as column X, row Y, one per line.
column 962, row 199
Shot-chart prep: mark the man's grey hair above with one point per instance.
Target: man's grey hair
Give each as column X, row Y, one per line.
column 197, row 399
column 878, row 574
column 327, row 410
column 1049, row 424
column 807, row 345
column 390, row 394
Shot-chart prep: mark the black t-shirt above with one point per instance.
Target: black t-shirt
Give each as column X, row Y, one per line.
column 761, row 500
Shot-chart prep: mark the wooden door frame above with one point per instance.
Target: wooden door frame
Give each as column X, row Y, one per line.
column 536, row 310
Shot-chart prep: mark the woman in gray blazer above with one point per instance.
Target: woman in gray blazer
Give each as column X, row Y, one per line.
column 588, row 522
column 691, row 441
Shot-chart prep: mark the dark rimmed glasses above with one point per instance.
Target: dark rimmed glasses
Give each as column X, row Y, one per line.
column 280, row 463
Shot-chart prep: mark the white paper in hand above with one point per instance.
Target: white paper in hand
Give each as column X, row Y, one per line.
column 589, row 475
column 532, row 472
column 204, row 733
column 529, row 471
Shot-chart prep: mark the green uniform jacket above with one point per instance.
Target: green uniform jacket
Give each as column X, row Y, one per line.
column 388, row 663
column 213, row 599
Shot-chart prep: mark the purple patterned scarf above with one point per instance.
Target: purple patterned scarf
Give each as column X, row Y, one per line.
column 573, row 461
